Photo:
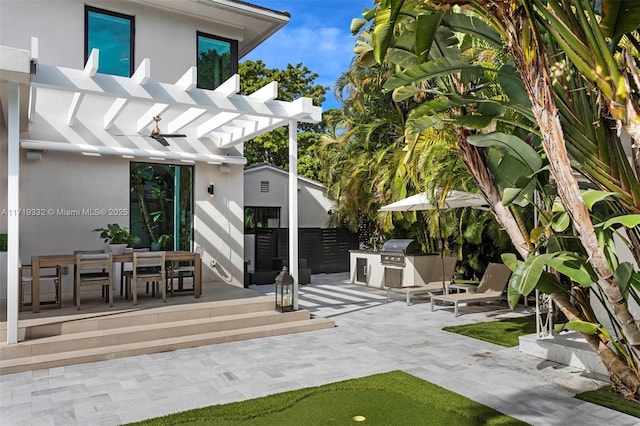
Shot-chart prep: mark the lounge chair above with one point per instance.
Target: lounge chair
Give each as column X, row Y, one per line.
column 440, row 277
column 492, row 285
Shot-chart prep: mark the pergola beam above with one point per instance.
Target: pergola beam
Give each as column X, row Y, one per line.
column 67, row 79
column 114, row 112
column 188, row 80
column 73, row 108
column 129, row 152
column 91, row 67
column 214, row 123
column 147, row 117
column 266, row 93
column 143, row 72
column 262, row 127
column 230, row 87
column 185, row 119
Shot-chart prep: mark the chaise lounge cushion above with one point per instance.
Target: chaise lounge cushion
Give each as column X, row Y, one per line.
column 491, row 287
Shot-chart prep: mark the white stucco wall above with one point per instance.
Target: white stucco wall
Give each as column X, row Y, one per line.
column 61, row 184
column 167, row 39
column 313, row 205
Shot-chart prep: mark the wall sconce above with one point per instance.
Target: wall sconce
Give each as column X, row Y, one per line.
column 34, row 155
column 210, row 190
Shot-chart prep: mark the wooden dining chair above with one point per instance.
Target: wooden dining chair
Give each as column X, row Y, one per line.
column 94, row 269
column 148, row 267
column 77, row 252
column 127, row 272
column 47, row 275
column 179, row 270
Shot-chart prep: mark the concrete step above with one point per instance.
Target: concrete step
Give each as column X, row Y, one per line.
column 82, row 322
column 144, row 332
column 568, row 348
column 69, row 357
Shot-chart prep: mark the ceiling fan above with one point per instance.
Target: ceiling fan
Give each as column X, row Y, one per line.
column 159, row 136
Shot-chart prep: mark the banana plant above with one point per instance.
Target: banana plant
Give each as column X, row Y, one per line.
column 571, row 70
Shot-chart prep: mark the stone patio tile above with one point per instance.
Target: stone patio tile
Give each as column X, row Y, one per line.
column 373, row 339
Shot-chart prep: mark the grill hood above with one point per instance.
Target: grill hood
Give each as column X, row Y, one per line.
column 406, row 246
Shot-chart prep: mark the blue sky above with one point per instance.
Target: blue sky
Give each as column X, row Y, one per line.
column 317, row 35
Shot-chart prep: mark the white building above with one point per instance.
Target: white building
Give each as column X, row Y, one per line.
column 80, row 85
column 266, row 200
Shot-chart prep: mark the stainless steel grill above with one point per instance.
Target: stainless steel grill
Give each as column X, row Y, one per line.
column 393, row 252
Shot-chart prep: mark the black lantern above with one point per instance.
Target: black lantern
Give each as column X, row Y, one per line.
column 284, row 291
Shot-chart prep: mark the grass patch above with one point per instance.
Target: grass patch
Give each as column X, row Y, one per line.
column 394, row 398
column 606, row 397
column 504, row 332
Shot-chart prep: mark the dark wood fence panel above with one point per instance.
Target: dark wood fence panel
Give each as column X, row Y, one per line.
column 265, row 249
column 326, row 250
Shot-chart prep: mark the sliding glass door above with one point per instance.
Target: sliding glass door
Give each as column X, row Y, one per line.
column 161, row 205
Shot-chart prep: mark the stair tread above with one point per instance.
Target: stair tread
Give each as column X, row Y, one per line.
column 112, row 350
column 133, row 311
column 150, row 327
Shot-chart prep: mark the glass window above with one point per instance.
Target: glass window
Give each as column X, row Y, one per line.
column 217, row 60
column 111, row 33
column 261, row 218
column 161, row 205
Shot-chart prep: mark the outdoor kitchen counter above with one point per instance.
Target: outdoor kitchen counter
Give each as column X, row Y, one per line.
column 52, row 260
column 365, row 268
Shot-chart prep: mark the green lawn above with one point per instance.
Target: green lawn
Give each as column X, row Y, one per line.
column 504, row 332
column 394, row 398
column 606, row 397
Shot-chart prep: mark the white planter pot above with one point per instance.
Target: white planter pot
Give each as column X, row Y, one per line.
column 117, row 248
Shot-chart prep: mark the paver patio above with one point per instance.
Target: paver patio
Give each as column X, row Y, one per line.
column 371, row 336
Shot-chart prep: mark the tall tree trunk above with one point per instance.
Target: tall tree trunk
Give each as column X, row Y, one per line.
column 477, row 168
column 531, row 63
column 625, row 380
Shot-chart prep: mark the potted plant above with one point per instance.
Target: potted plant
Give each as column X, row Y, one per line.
column 117, row 237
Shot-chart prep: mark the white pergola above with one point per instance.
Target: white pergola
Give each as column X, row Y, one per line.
column 117, row 113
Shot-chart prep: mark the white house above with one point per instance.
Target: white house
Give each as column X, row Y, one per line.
column 266, row 201
column 80, row 85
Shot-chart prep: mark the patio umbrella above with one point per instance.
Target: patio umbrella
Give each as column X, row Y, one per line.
column 453, row 200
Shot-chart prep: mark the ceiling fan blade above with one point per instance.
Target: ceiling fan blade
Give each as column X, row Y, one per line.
column 160, row 139
column 172, row 135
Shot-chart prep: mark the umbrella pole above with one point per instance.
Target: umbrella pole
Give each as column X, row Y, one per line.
column 444, row 289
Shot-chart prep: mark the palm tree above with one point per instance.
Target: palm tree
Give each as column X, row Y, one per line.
column 533, row 32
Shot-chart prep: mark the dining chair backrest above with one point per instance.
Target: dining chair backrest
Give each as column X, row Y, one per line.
column 128, row 266
column 94, row 263
column 46, row 275
column 97, row 251
column 94, row 269
column 495, row 278
column 149, row 265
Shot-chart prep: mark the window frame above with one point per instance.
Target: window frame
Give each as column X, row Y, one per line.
column 255, row 209
column 176, row 238
column 233, row 46
column 132, row 31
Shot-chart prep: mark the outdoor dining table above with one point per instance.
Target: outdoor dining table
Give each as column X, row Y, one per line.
column 52, row 260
